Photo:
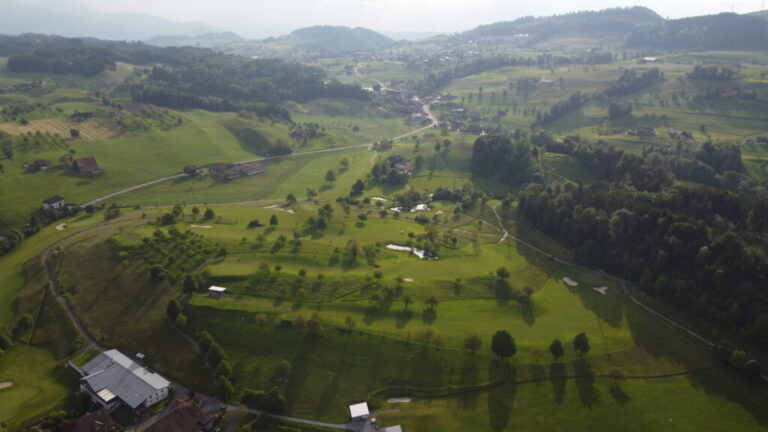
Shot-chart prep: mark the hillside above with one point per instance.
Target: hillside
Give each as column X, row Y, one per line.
column 208, row 40
column 725, row 31
column 618, row 20
column 339, row 39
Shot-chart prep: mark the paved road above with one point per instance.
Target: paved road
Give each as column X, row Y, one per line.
column 425, row 108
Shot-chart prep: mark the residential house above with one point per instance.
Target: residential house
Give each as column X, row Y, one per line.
column 40, row 165
column 97, row 421
column 216, row 291
column 81, row 116
column 87, row 165
column 54, row 202
column 643, row 131
column 183, row 416
column 112, row 379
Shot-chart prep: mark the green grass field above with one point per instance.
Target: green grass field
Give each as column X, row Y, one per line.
column 40, row 383
column 700, row 401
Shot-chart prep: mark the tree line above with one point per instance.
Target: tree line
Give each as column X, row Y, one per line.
column 691, row 245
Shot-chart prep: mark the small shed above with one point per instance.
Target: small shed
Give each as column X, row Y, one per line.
column 54, row 202
column 216, row 291
column 359, row 411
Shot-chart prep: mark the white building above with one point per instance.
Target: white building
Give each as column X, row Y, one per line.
column 54, row 202
column 111, row 378
column 359, row 411
column 216, row 291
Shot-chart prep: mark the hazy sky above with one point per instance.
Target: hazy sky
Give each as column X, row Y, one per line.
column 257, row 18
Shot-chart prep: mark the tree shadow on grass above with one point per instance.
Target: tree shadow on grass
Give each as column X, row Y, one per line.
column 618, row 394
column 469, row 375
column 558, row 377
column 429, row 316
column 402, row 318
column 527, row 311
column 501, row 399
column 585, row 383
column 752, row 397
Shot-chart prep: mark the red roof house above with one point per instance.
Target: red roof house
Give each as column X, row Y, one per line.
column 87, row 165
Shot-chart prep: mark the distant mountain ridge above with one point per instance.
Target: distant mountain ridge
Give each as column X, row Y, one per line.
column 617, row 20
column 70, row 19
column 208, row 40
column 637, row 27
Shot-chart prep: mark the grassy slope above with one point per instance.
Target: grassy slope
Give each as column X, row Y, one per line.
column 40, row 384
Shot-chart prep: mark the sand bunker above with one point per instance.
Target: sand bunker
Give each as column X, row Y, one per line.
column 602, row 290
column 439, row 212
column 5, row 384
column 570, row 282
column 61, row 226
column 379, row 199
column 278, row 208
column 201, row 226
column 407, row 279
column 398, row 400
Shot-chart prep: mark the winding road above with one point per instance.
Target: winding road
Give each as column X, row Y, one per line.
column 425, row 108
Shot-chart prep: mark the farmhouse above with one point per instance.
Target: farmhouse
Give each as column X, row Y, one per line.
column 81, row 116
column 233, row 171
column 643, row 131
column 54, row 202
column 183, row 416
column 112, row 379
column 97, row 421
column 87, row 165
column 40, row 165
column 216, row 291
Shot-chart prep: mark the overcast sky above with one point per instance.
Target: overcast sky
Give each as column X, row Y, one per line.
column 258, row 18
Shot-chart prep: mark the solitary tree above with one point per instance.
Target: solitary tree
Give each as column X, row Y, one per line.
column 224, row 388
column 209, row 214
column 190, row 285
column 215, row 355
column 173, row 310
column 503, row 344
column 432, row 302
column 473, row 343
column 273, row 220
column 290, row 199
column 581, row 343
column 407, row 300
column 330, row 176
column 557, row 349
column 283, row 370
column 502, row 273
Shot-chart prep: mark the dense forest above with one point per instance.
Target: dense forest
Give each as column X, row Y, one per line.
column 696, row 246
column 189, row 78
column 498, row 156
column 616, row 20
column 710, row 32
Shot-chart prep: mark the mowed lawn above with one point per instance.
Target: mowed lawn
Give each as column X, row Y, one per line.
column 704, row 401
column 40, row 383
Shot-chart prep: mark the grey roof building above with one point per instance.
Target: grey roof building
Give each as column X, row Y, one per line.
column 112, row 378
